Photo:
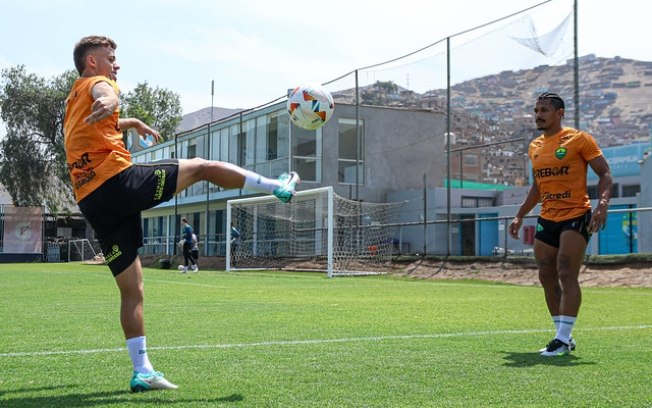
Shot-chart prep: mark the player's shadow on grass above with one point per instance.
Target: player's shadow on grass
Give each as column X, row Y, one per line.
column 532, row 359
column 107, row 398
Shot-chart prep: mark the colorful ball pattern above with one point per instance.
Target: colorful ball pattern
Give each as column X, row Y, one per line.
column 310, row 106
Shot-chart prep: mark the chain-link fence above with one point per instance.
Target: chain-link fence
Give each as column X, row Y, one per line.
column 482, row 82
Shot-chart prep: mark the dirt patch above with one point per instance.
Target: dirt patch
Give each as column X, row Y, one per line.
column 632, row 275
column 629, row 273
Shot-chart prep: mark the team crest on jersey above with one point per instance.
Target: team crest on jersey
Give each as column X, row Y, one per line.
column 560, row 153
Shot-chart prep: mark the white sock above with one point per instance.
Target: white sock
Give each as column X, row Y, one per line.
column 566, row 324
column 137, row 347
column 258, row 183
column 555, row 321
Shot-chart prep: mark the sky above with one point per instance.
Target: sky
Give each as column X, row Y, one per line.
column 254, row 50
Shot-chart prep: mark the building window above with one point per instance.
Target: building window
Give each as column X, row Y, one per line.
column 191, row 148
column 223, row 151
column 234, row 145
column 631, row 191
column 192, row 151
column 475, row 202
column 485, row 202
column 306, row 153
column 242, row 149
column 593, row 191
column 471, row 160
column 278, row 138
column 262, row 152
column 272, row 138
column 249, row 141
column 350, row 160
column 309, row 169
column 469, row 202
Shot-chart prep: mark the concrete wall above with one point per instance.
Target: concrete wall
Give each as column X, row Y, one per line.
column 433, row 238
column 401, row 146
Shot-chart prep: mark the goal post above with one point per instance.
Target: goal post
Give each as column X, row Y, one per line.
column 317, row 231
column 258, row 216
column 80, row 250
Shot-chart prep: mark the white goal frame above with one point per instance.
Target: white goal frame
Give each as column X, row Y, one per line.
column 270, row 199
column 317, row 231
column 81, row 248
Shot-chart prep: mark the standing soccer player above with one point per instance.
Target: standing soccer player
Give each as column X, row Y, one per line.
column 189, row 241
column 112, row 191
column 560, row 158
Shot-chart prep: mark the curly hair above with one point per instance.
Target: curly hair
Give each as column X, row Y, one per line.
column 86, row 44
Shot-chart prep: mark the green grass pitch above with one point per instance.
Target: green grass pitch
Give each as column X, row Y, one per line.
column 278, row 339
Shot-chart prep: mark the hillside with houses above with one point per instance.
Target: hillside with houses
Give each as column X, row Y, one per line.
column 615, row 98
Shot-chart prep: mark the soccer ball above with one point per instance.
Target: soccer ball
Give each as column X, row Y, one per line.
column 310, row 106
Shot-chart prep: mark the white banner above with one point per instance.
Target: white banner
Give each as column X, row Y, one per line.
column 23, row 230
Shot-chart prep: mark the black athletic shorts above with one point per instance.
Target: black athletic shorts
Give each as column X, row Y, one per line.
column 113, row 209
column 549, row 232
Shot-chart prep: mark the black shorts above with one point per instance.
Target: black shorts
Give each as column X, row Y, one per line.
column 549, row 232
column 113, row 209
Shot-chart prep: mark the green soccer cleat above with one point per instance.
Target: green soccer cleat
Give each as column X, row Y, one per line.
column 152, row 381
column 288, row 182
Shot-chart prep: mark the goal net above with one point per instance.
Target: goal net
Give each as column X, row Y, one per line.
column 80, row 250
column 318, row 230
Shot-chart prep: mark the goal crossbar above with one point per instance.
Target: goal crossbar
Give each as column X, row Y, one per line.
column 317, row 230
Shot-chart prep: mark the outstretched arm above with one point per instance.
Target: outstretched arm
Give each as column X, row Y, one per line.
column 106, row 102
column 530, row 202
column 140, row 126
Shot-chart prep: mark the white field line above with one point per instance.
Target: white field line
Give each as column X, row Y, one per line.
column 322, row 341
column 448, row 283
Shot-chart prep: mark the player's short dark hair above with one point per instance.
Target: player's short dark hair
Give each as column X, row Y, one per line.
column 554, row 99
column 86, row 44
column 184, row 219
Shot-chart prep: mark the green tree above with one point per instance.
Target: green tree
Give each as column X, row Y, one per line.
column 159, row 108
column 32, row 157
column 388, row 86
column 33, row 165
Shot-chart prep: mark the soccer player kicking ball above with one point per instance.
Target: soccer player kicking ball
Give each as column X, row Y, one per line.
column 560, row 157
column 112, row 191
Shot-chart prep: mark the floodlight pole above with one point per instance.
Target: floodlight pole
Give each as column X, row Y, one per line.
column 448, row 146
column 176, row 201
column 207, row 152
column 576, row 70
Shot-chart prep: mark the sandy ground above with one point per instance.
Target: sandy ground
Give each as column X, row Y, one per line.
column 622, row 275
column 629, row 274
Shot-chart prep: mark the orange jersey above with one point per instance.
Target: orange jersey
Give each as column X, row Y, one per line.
column 96, row 152
column 559, row 164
